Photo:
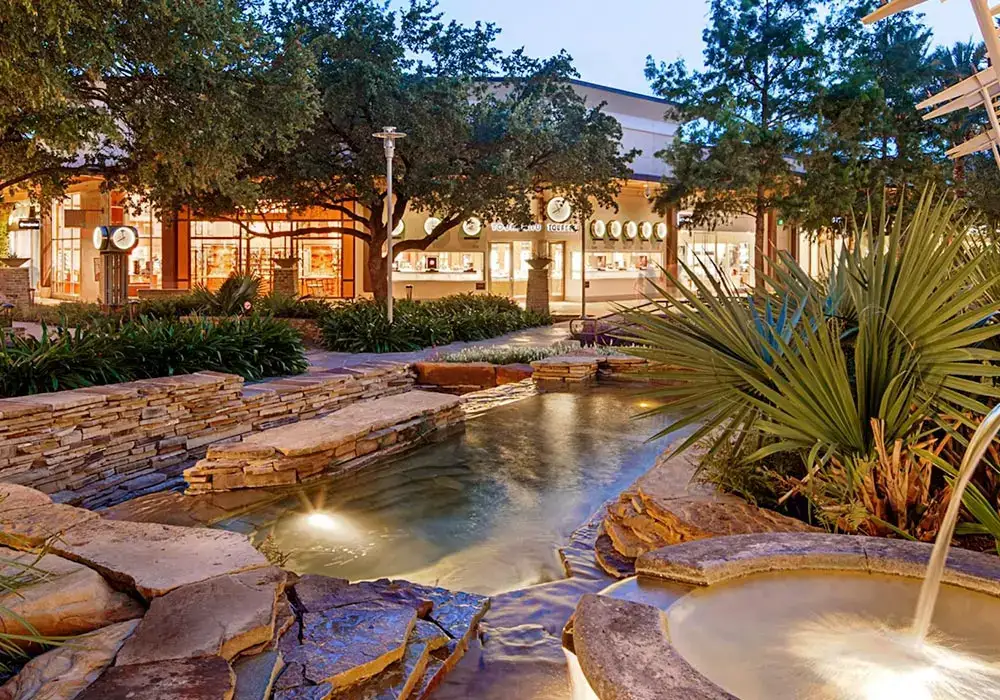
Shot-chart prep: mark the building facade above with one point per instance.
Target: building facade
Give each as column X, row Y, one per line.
column 611, row 255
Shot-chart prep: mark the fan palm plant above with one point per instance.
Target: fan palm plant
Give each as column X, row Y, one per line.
column 894, row 335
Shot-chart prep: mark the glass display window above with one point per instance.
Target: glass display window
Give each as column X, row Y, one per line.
column 611, row 264
column 66, row 249
column 440, row 265
column 713, row 254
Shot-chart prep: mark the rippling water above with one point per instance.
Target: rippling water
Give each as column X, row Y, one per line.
column 483, row 510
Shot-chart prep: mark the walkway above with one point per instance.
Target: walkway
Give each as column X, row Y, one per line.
column 542, row 337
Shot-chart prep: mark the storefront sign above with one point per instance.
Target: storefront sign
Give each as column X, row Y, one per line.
column 631, row 230
column 472, row 227
column 500, row 227
column 615, row 229
column 29, row 224
column 598, row 229
column 646, row 230
column 661, row 231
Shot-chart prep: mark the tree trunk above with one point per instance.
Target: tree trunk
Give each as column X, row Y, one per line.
column 760, row 238
column 377, row 267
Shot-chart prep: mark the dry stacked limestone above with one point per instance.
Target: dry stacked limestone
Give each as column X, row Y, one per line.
column 346, row 439
column 103, row 445
column 663, row 508
column 565, row 368
column 197, row 614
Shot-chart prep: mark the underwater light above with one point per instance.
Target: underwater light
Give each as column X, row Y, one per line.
column 322, row 521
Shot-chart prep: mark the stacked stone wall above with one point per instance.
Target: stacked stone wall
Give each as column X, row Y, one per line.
column 102, row 445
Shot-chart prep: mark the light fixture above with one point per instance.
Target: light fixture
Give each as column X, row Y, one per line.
column 598, row 229
column 321, row 521
column 430, row 224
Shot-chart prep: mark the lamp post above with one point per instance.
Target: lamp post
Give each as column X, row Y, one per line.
column 389, row 136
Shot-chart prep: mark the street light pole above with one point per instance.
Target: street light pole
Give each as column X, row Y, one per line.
column 389, row 136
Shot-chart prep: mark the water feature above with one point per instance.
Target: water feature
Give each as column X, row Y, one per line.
column 482, row 511
column 836, row 635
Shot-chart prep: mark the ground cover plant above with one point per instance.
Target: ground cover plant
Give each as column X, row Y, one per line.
column 253, row 347
column 363, row 325
column 507, row 354
column 845, row 400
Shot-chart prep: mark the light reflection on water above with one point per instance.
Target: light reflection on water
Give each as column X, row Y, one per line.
column 482, row 511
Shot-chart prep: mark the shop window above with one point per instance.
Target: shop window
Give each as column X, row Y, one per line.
column 146, row 261
column 444, row 266
column 66, row 249
column 616, row 264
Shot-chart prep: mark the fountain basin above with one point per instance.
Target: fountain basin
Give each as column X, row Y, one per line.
column 793, row 615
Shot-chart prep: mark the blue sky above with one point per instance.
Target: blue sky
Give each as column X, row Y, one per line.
column 609, row 39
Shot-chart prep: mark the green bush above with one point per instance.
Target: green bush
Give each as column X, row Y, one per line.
column 291, row 306
column 362, row 326
column 111, row 351
column 237, row 295
column 507, row 354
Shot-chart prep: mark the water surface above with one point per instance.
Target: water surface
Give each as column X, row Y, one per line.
column 483, row 510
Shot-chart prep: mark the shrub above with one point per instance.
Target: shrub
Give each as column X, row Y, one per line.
column 115, row 351
column 507, row 354
column 291, row 306
column 362, row 326
column 850, row 377
column 237, row 295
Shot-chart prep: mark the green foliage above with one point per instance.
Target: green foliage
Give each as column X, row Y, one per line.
column 165, row 98
column 839, row 393
column 362, row 326
column 236, row 296
column 506, row 354
column 745, row 113
column 290, row 306
column 480, row 126
column 115, row 351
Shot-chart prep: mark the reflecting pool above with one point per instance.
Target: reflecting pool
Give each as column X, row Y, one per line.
column 482, row 510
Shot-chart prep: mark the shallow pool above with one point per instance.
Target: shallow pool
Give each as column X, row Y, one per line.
column 483, row 510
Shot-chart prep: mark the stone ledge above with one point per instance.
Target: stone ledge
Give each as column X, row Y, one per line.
column 624, row 654
column 292, row 454
column 712, row 561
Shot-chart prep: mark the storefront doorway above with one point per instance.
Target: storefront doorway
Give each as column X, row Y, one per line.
column 509, row 269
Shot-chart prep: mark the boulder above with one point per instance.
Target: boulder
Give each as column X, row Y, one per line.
column 402, row 678
column 345, row 645
column 65, row 671
column 255, row 675
column 13, row 497
column 33, row 526
column 205, row 678
column 59, row 597
column 220, row 616
column 155, row 559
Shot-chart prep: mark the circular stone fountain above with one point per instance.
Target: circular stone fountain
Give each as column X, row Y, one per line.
column 783, row 616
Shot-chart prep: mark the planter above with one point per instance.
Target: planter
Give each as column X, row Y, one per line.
column 13, row 262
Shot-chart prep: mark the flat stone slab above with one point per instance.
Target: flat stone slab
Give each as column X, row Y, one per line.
column 712, row 561
column 155, row 559
column 624, row 653
column 220, row 616
column 455, row 612
column 13, row 496
column 33, row 526
column 345, row 645
column 65, row 671
column 59, row 598
column 255, row 675
column 402, row 678
column 350, row 423
column 205, row 678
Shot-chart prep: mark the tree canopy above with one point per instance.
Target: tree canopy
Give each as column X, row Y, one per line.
column 164, row 98
column 484, row 129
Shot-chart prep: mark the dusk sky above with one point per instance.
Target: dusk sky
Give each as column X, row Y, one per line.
column 610, row 40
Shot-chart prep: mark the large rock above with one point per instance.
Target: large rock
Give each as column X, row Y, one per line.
column 255, row 675
column 345, row 645
column 65, row 671
column 14, row 497
column 155, row 559
column 59, row 598
column 34, row 525
column 401, row 679
column 220, row 616
column 205, row 678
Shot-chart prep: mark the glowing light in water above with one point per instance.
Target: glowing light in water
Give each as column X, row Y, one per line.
column 323, row 521
column 866, row 660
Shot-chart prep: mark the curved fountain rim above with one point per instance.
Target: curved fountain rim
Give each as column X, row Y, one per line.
column 719, row 559
column 624, row 649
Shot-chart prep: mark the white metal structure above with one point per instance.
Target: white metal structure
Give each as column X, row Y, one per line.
column 981, row 89
column 389, row 136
